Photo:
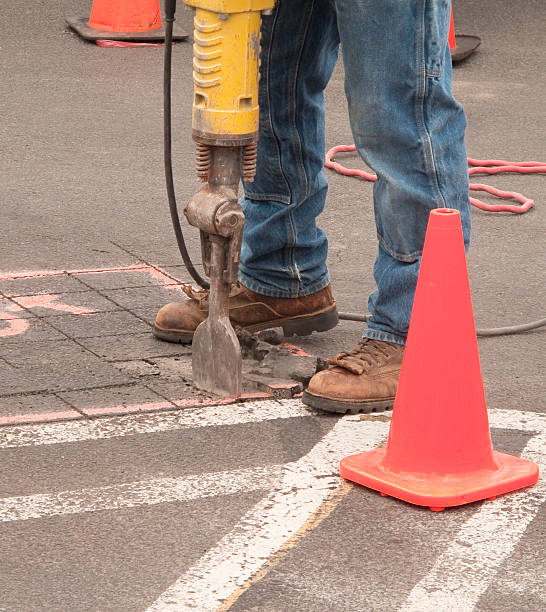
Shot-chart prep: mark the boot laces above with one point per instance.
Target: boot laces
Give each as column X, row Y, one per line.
column 367, row 354
column 202, row 295
column 196, row 293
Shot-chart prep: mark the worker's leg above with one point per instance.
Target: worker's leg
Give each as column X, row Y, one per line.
column 284, row 253
column 410, row 130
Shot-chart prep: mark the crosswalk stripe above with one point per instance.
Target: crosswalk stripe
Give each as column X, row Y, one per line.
column 208, row 416
column 115, row 427
column 464, row 571
column 306, row 484
column 142, row 493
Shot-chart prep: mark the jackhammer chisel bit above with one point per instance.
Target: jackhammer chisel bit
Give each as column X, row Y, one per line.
column 225, row 129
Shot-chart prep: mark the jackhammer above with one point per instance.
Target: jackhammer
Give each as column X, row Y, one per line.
column 225, row 121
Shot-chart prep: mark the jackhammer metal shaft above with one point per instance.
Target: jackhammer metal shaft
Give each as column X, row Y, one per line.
column 225, row 129
column 217, row 362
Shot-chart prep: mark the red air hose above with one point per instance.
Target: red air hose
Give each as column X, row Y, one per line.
column 476, row 166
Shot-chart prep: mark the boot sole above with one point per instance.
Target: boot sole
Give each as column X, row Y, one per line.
column 304, row 325
column 346, row 406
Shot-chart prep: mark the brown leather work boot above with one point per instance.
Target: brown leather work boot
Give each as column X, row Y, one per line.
column 364, row 380
column 176, row 322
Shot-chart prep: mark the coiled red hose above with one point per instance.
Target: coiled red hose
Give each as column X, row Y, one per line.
column 476, row 166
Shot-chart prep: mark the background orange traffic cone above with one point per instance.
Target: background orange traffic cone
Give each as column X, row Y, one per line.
column 130, row 20
column 439, row 449
column 461, row 45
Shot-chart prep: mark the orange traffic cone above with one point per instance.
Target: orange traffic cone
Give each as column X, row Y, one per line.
column 461, row 45
column 136, row 20
column 439, row 449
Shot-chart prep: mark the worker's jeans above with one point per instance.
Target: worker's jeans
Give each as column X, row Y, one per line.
column 406, row 126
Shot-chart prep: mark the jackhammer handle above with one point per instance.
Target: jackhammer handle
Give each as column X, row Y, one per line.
column 170, row 9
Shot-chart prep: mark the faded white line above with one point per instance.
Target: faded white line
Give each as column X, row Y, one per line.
column 143, row 493
column 306, row 483
column 208, row 416
column 114, row 427
column 464, row 571
column 518, row 419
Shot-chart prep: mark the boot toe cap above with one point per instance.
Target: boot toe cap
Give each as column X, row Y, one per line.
column 333, row 383
column 179, row 316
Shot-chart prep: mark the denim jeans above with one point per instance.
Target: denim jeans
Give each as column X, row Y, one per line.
column 406, row 126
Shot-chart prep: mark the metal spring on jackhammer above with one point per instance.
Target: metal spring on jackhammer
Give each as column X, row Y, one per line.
column 250, row 156
column 202, row 160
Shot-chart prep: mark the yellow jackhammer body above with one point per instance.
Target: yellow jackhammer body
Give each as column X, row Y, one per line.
column 225, row 122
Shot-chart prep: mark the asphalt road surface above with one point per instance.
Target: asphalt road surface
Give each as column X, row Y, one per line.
column 124, row 488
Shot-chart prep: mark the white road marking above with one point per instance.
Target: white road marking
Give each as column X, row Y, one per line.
column 265, row 528
column 143, row 493
column 464, row 571
column 209, row 416
column 296, row 491
column 518, row 419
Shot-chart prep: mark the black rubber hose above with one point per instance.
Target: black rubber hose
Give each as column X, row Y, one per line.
column 170, row 8
column 493, row 331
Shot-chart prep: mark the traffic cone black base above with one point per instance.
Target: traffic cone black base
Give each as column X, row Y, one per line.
column 464, row 47
column 81, row 26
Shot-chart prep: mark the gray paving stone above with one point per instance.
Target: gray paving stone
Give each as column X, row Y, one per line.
column 40, row 353
column 99, row 324
column 12, row 328
column 59, row 377
column 11, row 310
column 149, row 314
column 62, row 283
column 37, row 404
column 138, row 368
column 175, row 391
column 93, row 400
column 152, row 298
column 181, row 274
column 167, row 254
column 89, row 300
column 54, row 366
column 27, row 380
column 123, row 279
column 58, row 254
column 171, row 377
column 137, row 346
column 37, row 330
column 173, row 367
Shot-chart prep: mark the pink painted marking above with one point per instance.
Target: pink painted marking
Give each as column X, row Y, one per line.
column 18, row 419
column 38, row 273
column 47, row 300
column 251, row 396
column 15, row 325
column 188, row 403
column 295, row 350
column 136, row 267
column 128, row 409
column 288, row 386
column 167, row 280
column 120, row 410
